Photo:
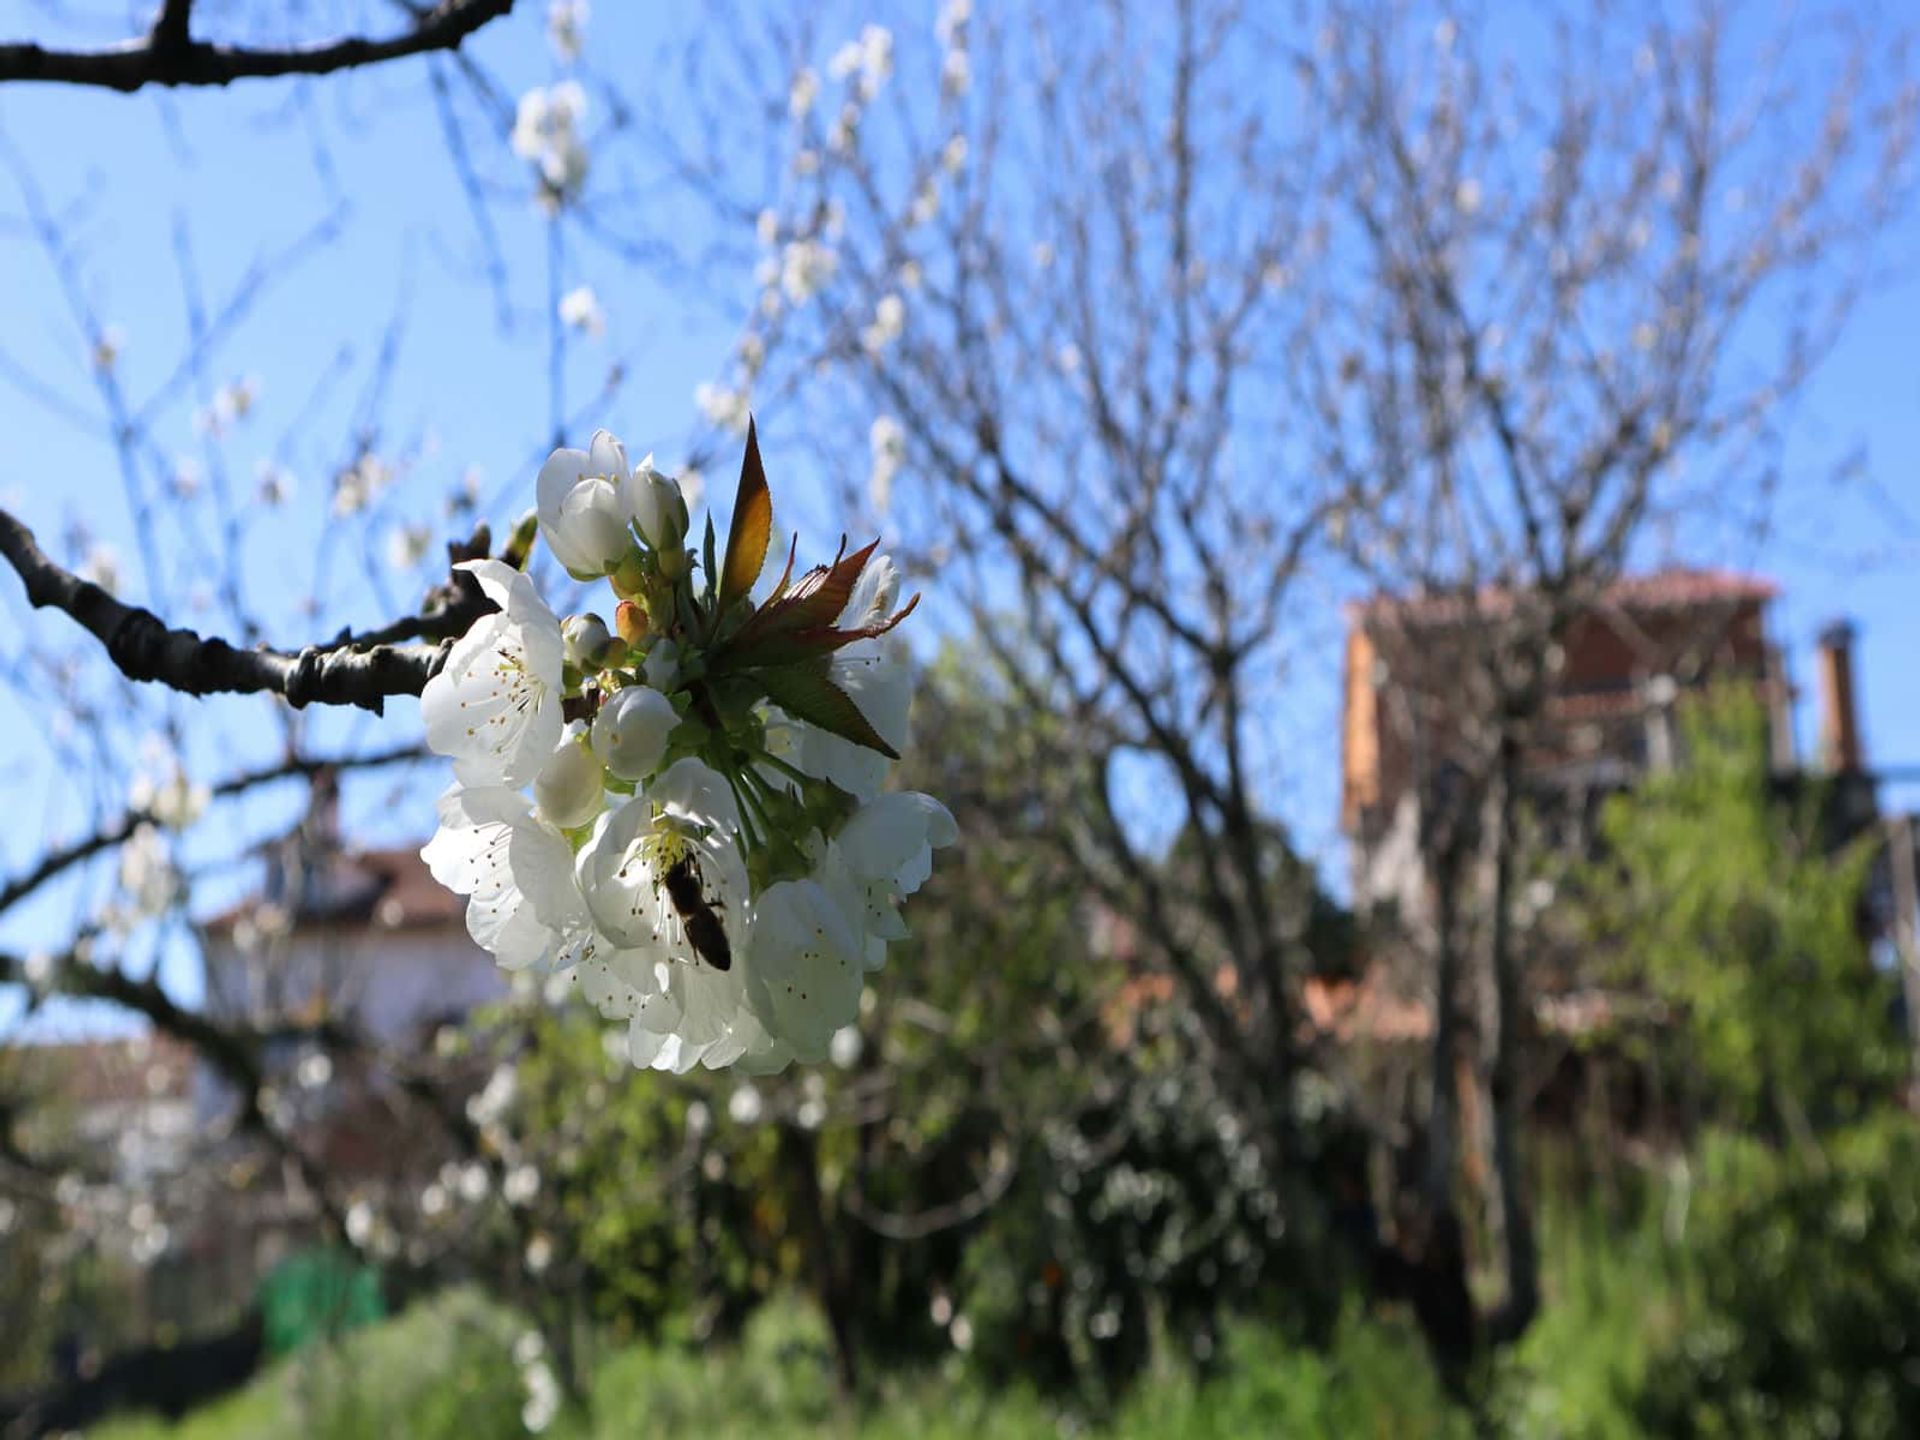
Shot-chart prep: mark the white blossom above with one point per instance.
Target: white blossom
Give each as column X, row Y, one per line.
column 580, row 309
column 887, row 443
column 546, row 132
column 571, row 785
column 956, row 74
column 889, row 318
column 630, row 732
column 517, row 872
column 407, row 546
column 744, row 1106
column 566, row 26
column 494, row 708
column 949, row 26
column 805, row 90
column 583, row 511
column 805, row 268
column 102, row 566
column 723, row 407
column 658, row 507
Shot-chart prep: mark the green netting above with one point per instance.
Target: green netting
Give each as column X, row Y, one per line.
column 317, row 1294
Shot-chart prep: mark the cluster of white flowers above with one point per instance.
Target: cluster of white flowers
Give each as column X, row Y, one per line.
column 867, row 61
column 546, row 132
column 360, row 484
column 231, row 404
column 950, row 29
column 707, row 848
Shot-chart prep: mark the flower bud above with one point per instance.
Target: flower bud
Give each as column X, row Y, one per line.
column 571, row 786
column 589, row 644
column 659, row 509
column 662, row 665
column 629, row 578
column 631, row 620
column 583, row 513
column 630, row 732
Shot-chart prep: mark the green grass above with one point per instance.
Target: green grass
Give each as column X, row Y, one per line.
column 443, row 1371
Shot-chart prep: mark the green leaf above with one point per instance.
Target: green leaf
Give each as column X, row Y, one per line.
column 807, row 692
column 751, row 528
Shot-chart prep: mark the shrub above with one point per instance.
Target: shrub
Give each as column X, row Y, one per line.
column 1805, row 1316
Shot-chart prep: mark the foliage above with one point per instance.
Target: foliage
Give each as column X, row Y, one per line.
column 413, row 1380
column 1807, row 1266
column 1726, row 900
column 444, row 1370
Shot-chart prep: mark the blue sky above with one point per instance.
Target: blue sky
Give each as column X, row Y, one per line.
column 249, row 172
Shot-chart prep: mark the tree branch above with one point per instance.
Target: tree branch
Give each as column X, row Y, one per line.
column 58, row 861
column 170, row 56
column 142, row 645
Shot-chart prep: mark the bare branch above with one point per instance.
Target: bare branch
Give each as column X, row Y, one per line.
column 170, row 56
column 143, row 646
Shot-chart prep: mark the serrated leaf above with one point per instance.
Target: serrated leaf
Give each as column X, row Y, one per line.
column 786, row 646
column 751, row 528
column 813, row 602
column 807, row 692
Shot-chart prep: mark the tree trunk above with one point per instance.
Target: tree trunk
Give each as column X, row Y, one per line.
column 1510, row 1220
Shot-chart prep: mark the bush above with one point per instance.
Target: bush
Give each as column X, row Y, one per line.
column 1805, row 1313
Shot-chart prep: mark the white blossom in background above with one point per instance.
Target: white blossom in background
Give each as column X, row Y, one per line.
column 887, row 443
column 102, row 566
column 580, row 310
column 566, row 27
column 714, row 866
column 407, row 546
column 805, row 90
column 950, row 25
column 956, row 74
column 806, row 266
column 724, row 407
column 359, row 484
column 889, row 319
column 875, row 60
column 546, row 133
column 926, row 204
column 175, row 802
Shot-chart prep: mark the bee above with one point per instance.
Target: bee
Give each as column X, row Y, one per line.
column 704, row 931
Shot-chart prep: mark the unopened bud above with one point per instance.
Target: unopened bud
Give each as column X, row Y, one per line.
column 520, row 542
column 629, row 577
column 588, row 642
column 659, row 509
column 630, row 732
column 631, row 621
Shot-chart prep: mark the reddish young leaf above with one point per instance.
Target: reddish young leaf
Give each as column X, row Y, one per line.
column 813, row 602
column 785, row 646
column 751, row 528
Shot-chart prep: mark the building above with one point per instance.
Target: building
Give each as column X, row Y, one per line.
column 364, row 943
column 1608, row 717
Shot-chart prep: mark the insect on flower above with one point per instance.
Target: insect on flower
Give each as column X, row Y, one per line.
column 705, row 934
